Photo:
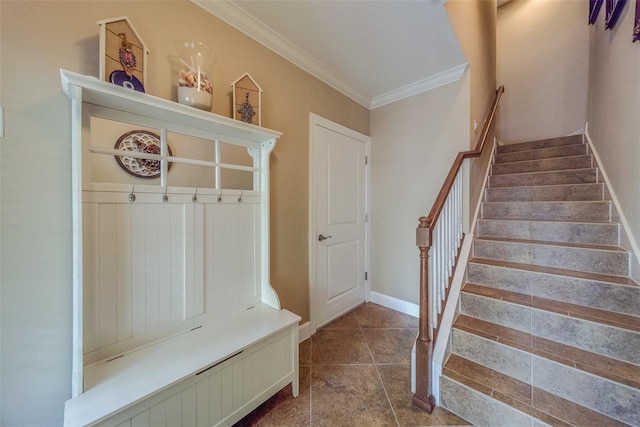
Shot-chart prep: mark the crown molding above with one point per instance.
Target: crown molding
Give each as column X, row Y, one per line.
column 445, row 77
column 235, row 16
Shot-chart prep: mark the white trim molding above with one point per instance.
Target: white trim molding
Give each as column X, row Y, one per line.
column 239, row 19
column 443, row 78
column 235, row 16
column 395, row 304
column 627, row 238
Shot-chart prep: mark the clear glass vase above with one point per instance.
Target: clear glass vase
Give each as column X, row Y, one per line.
column 194, row 79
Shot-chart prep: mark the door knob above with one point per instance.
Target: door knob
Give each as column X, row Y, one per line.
column 321, row 238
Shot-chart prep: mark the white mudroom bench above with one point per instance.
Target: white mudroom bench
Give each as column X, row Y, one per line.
column 175, row 321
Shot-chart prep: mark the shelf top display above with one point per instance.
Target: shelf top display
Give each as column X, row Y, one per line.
column 94, row 91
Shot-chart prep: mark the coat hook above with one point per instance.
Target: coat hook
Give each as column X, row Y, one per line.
column 164, row 196
column 240, row 198
column 220, row 197
column 194, row 198
column 132, row 196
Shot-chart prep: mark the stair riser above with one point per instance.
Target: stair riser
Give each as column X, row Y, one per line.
column 548, row 211
column 543, row 153
column 579, row 259
column 605, row 396
column 478, row 408
column 590, row 233
column 583, row 192
column 543, row 165
column 590, row 336
column 544, row 143
column 584, row 292
column 565, row 177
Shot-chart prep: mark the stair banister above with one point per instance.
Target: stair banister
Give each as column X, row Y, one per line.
column 436, row 271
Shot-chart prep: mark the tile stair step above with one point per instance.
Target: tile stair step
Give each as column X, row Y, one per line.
column 543, row 143
column 583, row 211
column 615, row 294
column 550, row 231
column 571, row 192
column 553, row 164
column 601, row 365
column 572, row 176
column 535, row 402
column 592, row 380
column 580, row 257
column 610, row 318
column 543, row 153
column 592, row 335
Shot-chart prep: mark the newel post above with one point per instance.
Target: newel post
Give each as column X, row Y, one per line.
column 423, row 397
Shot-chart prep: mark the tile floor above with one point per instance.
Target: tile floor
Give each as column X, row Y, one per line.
column 354, row 371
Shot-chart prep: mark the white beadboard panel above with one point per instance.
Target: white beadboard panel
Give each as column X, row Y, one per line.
column 107, row 275
column 198, row 260
column 123, row 287
column 164, row 265
column 141, row 420
column 158, row 415
column 138, row 268
column 152, row 279
column 177, row 232
column 189, row 237
column 189, row 406
column 153, row 266
column 90, row 277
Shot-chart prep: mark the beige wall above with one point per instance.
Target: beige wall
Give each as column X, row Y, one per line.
column 613, row 111
column 38, row 38
column 475, row 25
column 413, row 143
column 543, row 54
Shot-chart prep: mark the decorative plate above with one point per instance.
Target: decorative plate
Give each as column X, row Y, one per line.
column 140, row 141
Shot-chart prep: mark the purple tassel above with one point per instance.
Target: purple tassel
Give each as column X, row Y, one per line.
column 636, row 23
column 594, row 9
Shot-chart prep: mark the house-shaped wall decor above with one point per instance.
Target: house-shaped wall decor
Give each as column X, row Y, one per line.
column 123, row 54
column 247, row 100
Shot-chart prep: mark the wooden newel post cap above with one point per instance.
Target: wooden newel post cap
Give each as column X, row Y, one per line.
column 423, row 233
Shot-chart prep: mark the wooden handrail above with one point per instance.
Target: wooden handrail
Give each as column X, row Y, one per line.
column 423, row 397
column 457, row 163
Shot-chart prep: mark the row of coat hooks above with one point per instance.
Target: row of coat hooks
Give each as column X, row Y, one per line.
column 194, row 198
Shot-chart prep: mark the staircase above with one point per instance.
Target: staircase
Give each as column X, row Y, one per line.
column 548, row 329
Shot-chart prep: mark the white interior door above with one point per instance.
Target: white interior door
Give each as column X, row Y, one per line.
column 338, row 214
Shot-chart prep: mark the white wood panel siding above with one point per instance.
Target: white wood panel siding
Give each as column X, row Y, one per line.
column 153, row 267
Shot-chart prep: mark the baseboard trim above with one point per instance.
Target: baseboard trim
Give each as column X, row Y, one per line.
column 395, row 304
column 628, row 241
column 304, row 331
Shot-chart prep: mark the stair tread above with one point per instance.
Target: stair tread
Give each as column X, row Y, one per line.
column 544, row 406
column 620, row 320
column 546, row 243
column 580, row 184
column 543, row 171
column 606, row 367
column 547, row 158
column 571, row 148
column 540, row 143
column 618, row 280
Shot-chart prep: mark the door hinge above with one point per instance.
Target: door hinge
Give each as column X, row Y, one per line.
column 366, row 275
column 366, row 217
column 366, row 160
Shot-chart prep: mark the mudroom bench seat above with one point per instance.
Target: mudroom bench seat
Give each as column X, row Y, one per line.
column 224, row 368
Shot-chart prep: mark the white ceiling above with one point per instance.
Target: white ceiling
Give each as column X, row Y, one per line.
column 375, row 52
